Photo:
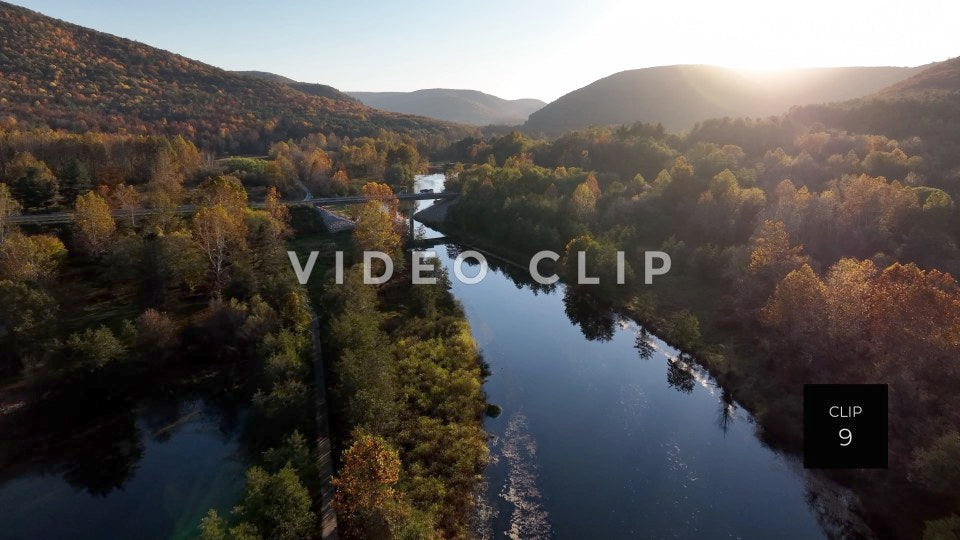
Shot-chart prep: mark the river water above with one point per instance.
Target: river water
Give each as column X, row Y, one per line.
column 149, row 472
column 596, row 440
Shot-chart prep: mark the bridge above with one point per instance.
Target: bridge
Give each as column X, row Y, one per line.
column 53, row 218
column 356, row 199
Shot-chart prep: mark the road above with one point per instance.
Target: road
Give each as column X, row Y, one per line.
column 53, row 218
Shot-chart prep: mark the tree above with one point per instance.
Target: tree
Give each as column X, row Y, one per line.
column 75, row 180
column 583, row 203
column 365, row 497
column 165, row 187
column 224, row 190
column 277, row 209
column 947, row 528
column 9, row 207
column 913, row 313
column 28, row 317
column 31, row 258
column 93, row 223
column 126, row 198
column 294, row 452
column 219, row 234
column 319, row 166
column 848, row 286
column 277, row 505
column 185, row 155
column 212, row 527
column 341, row 182
column 94, row 348
column 384, row 193
column 155, row 331
column 684, row 329
column 796, row 307
column 593, row 185
column 32, row 182
column 375, row 231
column 725, row 213
column 771, row 256
column 937, row 466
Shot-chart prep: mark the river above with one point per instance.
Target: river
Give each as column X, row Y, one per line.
column 596, row 440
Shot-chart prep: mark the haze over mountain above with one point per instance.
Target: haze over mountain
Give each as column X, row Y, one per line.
column 679, row 96
column 461, row 106
column 925, row 108
column 938, row 79
column 60, row 75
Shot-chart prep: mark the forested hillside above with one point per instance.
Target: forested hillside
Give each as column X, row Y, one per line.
column 314, row 89
column 923, row 110
column 680, row 96
column 59, row 75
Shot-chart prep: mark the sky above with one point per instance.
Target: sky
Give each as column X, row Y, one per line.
column 517, row 49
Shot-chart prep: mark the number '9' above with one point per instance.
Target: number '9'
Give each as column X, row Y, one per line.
column 846, row 436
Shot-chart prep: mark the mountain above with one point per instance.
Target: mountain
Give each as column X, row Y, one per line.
column 938, row 79
column 461, row 106
column 680, row 96
column 314, row 89
column 924, row 108
column 59, row 75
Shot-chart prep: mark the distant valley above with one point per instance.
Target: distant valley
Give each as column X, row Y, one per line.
column 460, row 106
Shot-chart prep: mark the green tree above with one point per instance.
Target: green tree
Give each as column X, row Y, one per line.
column 294, row 452
column 276, row 506
column 27, row 319
column 75, row 180
column 32, row 182
column 684, row 329
column 94, row 348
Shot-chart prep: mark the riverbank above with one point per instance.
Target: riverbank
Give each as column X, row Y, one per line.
column 405, row 377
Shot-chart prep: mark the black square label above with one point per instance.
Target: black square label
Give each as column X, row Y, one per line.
column 845, row 426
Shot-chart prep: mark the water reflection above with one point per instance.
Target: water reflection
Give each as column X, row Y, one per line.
column 679, row 375
column 595, row 319
column 644, row 344
column 149, row 469
column 727, row 409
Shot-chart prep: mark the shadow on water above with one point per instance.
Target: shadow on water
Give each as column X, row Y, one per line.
column 80, row 467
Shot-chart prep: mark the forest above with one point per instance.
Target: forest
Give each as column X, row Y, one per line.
column 117, row 301
column 58, row 75
column 818, row 246
column 801, row 253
